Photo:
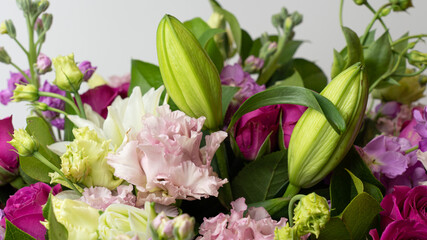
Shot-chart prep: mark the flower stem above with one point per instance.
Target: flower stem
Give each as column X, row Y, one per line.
column 22, row 47
column 66, row 100
column 225, row 195
column 411, row 149
column 341, row 13
column 379, row 19
column 291, row 208
column 32, row 51
column 21, row 71
column 412, row 74
column 408, row 37
column 291, row 191
column 46, row 162
column 80, row 104
column 376, row 17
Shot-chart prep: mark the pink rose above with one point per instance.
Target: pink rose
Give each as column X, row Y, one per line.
column 8, row 158
column 405, row 229
column 404, row 203
column 24, row 208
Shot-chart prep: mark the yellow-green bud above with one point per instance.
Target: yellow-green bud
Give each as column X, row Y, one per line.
column 183, row 227
column 41, row 106
column 11, row 31
column 3, row 29
column 42, row 6
column 216, row 20
column 401, row 5
column 311, row 214
column 385, row 12
column 24, row 143
column 68, row 75
column 315, row 149
column 417, row 58
column 4, row 56
column 189, row 75
column 47, row 21
column 359, row 2
column 284, row 233
column 27, row 92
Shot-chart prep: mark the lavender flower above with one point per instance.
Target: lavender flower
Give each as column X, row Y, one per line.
column 44, row 64
column 87, row 69
column 54, row 103
column 15, row 78
column 421, row 128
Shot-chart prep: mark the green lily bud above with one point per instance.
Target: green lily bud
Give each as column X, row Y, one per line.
column 315, row 149
column 41, row 106
column 189, row 75
column 4, row 56
column 68, row 75
column 311, row 214
column 24, row 143
column 385, row 12
column 27, row 92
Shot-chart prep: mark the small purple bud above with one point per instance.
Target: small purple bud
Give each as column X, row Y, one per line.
column 253, row 64
column 44, row 64
column 38, row 26
column 87, row 69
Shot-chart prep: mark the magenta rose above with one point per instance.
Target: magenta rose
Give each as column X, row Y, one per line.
column 24, row 208
column 8, row 158
column 405, row 229
column 253, row 128
column 404, row 203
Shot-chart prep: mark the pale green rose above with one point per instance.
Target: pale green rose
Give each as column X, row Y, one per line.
column 80, row 219
column 311, row 214
column 27, row 92
column 68, row 75
column 24, row 143
column 84, row 161
column 121, row 220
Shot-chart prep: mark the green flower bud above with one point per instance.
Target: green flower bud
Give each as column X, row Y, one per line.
column 3, row 29
column 24, row 143
column 42, row 6
column 10, row 28
column 385, row 12
column 311, row 214
column 284, row 233
column 4, row 56
column 401, row 5
column 189, row 75
column 409, row 90
column 27, row 92
column 417, row 58
column 178, row 228
column 41, row 106
column 359, row 2
column 68, row 75
column 47, row 21
column 315, row 149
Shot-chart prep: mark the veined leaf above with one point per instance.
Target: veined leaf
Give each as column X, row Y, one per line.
column 14, row 233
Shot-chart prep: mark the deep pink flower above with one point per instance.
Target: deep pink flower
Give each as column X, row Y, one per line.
column 165, row 161
column 8, row 157
column 405, row 229
column 254, row 127
column 101, row 97
column 24, row 208
column 256, row 224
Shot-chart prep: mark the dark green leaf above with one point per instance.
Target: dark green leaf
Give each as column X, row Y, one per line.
column 272, row 206
column 341, row 192
column 294, row 80
column 359, row 215
column 265, row 147
column 227, row 95
column 40, row 129
column 292, row 95
column 246, row 45
column 335, row 229
column 14, row 233
column 261, row 179
column 312, row 76
column 338, row 65
column 354, row 48
column 378, row 58
column 232, row 21
column 374, row 191
column 68, row 125
column 370, row 38
column 289, row 51
column 208, row 35
column 356, row 182
column 145, row 76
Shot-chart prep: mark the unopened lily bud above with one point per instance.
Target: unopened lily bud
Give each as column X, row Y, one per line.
column 4, row 56
column 44, row 64
column 24, row 143
column 47, row 21
column 311, row 214
column 189, row 75
column 3, row 29
column 10, row 28
column 417, row 58
column 68, row 75
column 401, row 5
column 315, row 149
column 27, row 92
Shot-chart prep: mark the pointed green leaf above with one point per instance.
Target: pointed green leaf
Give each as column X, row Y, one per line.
column 265, row 147
column 144, row 75
column 292, row 95
column 378, row 58
column 338, row 64
column 356, row 181
column 294, row 80
column 261, row 179
column 335, row 229
column 208, row 35
column 354, row 48
column 14, row 233
column 312, row 76
column 68, row 125
column 227, row 95
column 246, row 45
column 289, row 51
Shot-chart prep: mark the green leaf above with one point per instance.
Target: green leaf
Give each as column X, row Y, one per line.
column 312, row 76
column 294, row 80
column 359, row 215
column 272, row 206
column 14, row 233
column 246, row 45
column 292, row 95
column 208, row 35
column 354, row 48
column 232, row 21
column 227, row 95
column 265, row 147
column 378, row 58
column 334, row 229
column 68, row 125
column 145, row 76
column 356, row 181
column 341, row 191
column 261, row 179
column 373, row 190
column 40, row 129
column 56, row 231
column 289, row 51
column 370, row 38
column 338, row 64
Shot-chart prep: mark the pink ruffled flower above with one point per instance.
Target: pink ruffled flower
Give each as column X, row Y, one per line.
column 257, row 224
column 165, row 163
column 101, row 197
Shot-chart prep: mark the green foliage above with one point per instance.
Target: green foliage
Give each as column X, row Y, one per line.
column 56, row 231
column 14, row 233
column 227, row 95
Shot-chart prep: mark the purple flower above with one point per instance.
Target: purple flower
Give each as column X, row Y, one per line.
column 254, row 64
column 101, row 97
column 15, row 78
column 87, row 69
column 58, row 123
column 390, row 109
column 52, row 102
column 44, row 64
column 24, row 208
column 421, row 128
column 8, row 157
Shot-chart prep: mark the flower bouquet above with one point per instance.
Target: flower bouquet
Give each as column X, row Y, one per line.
column 227, row 137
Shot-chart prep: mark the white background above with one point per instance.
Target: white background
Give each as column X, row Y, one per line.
column 110, row 32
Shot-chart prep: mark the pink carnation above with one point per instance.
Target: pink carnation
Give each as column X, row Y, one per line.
column 165, row 163
column 101, row 197
column 256, row 225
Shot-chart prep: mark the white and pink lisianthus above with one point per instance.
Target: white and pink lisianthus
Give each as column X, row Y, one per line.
column 165, row 161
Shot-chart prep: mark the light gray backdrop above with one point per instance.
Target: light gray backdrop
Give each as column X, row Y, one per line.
column 110, row 32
